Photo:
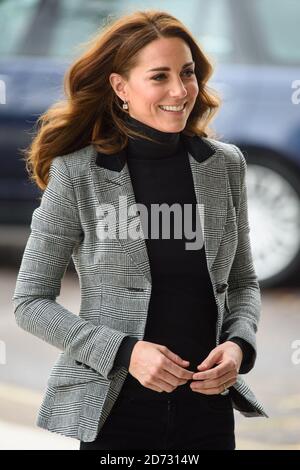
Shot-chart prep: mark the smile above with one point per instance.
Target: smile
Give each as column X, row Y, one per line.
column 173, row 109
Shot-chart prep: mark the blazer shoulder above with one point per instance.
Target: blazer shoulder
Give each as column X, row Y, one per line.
column 232, row 153
column 76, row 162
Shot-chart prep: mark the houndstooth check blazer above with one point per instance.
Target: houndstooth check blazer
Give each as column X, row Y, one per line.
column 115, row 278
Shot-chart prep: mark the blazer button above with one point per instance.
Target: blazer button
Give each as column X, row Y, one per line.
column 221, row 288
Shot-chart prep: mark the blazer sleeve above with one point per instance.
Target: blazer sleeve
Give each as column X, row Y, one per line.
column 55, row 233
column 243, row 288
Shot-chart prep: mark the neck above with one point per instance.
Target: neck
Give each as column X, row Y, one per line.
column 166, row 145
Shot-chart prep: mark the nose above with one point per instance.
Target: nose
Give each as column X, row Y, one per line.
column 178, row 89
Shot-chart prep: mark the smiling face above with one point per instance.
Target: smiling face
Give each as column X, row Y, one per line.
column 147, row 89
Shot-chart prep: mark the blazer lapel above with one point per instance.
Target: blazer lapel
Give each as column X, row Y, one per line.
column 113, row 186
column 210, row 183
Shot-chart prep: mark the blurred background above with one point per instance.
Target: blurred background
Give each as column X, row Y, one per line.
column 255, row 49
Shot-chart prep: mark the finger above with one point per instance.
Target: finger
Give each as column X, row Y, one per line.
column 206, row 384
column 177, row 371
column 170, row 379
column 157, row 385
column 214, row 356
column 174, row 357
column 213, row 390
column 175, row 364
column 213, row 373
column 164, row 386
column 153, row 387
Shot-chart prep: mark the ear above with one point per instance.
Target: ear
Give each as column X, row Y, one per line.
column 119, row 85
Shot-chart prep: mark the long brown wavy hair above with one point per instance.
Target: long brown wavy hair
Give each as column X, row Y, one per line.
column 92, row 113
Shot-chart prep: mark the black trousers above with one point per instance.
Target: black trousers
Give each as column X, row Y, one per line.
column 203, row 423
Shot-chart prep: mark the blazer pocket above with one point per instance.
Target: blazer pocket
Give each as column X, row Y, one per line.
column 72, row 375
column 123, row 307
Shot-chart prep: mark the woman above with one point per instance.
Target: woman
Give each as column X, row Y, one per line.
column 166, row 324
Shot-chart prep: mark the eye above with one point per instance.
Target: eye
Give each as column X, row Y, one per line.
column 191, row 71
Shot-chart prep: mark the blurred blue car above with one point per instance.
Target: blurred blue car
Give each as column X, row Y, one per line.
column 255, row 49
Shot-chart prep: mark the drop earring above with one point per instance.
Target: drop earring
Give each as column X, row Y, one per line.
column 125, row 105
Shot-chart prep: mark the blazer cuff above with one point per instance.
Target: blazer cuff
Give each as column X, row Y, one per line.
column 123, row 355
column 249, row 354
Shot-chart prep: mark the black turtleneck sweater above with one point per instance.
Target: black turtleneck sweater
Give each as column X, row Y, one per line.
column 182, row 310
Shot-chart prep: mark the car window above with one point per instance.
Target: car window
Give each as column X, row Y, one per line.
column 56, row 28
column 260, row 31
column 15, row 20
column 229, row 30
column 213, row 28
column 278, row 22
column 78, row 20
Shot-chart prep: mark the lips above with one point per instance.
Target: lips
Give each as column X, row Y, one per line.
column 180, row 104
column 184, row 106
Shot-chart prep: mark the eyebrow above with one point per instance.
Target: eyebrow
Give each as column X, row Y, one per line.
column 161, row 69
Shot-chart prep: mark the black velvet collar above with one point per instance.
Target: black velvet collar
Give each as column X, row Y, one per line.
column 196, row 146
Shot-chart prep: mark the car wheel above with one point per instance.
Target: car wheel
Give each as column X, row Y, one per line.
column 274, row 218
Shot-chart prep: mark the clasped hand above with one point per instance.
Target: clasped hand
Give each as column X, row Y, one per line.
column 158, row 368
column 219, row 370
